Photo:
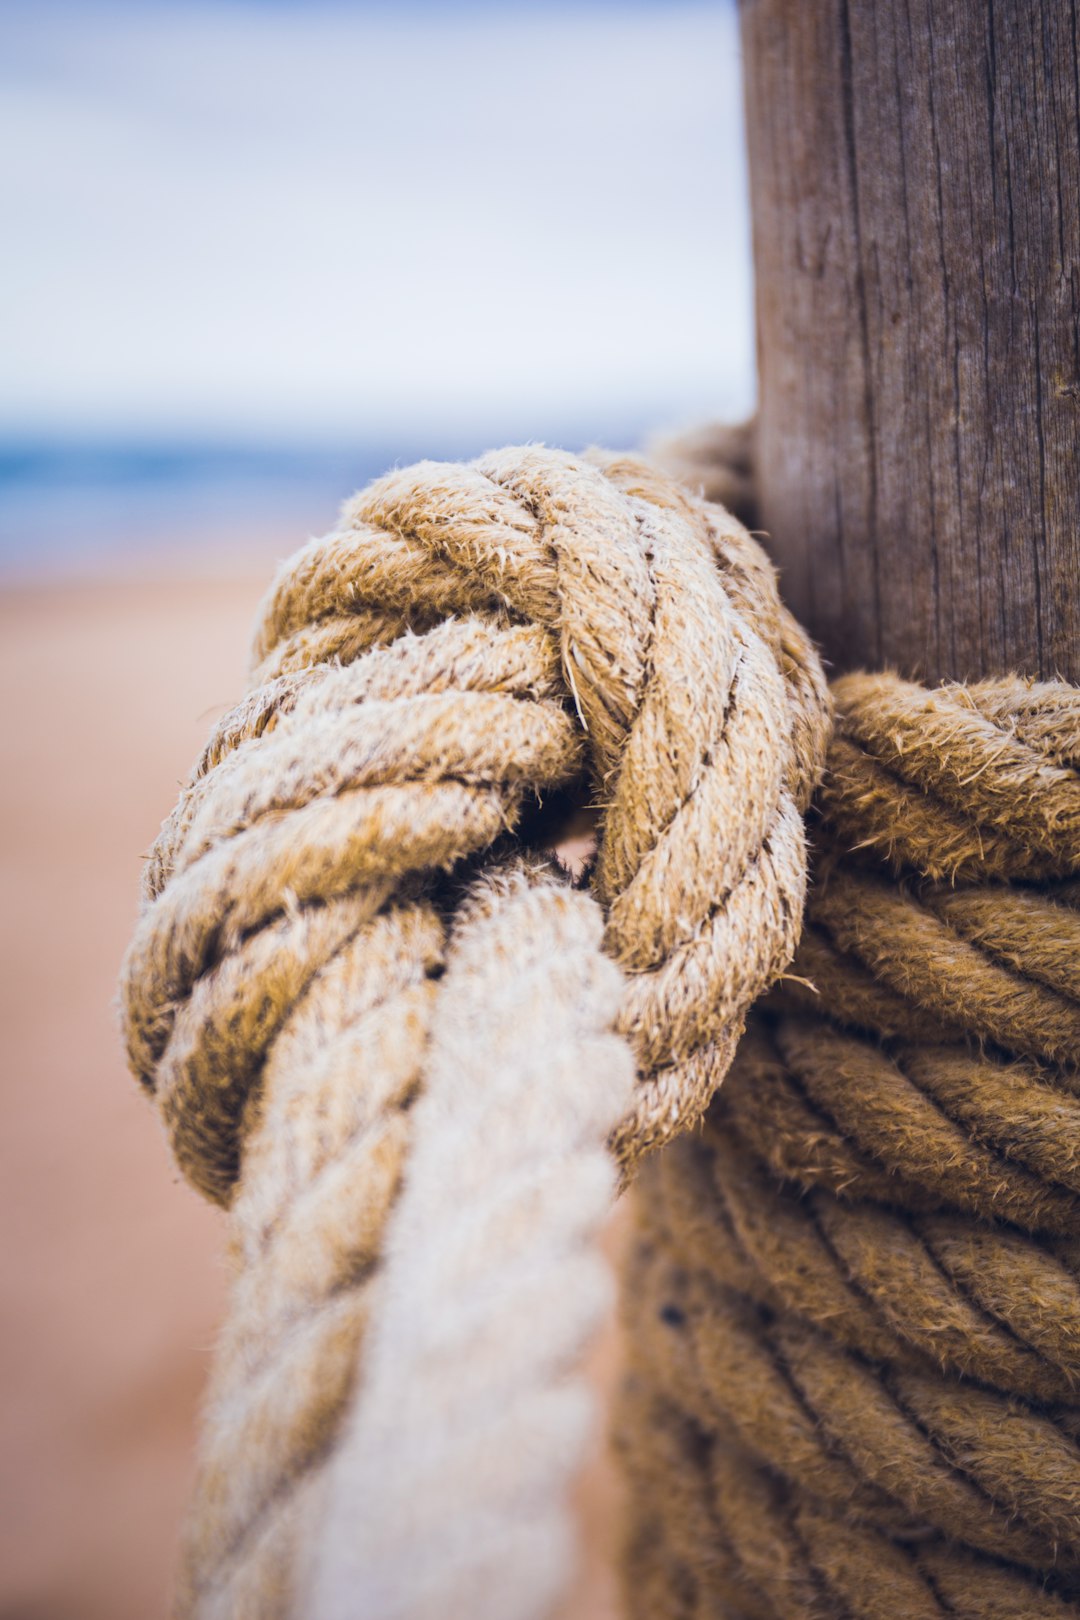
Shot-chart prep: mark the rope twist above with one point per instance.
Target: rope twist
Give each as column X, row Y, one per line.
column 469, row 640
column 856, row 1295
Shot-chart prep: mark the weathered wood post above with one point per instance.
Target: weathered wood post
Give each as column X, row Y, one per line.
column 915, row 184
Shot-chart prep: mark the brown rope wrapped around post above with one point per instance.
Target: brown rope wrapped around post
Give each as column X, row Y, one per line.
column 469, row 639
column 854, row 1299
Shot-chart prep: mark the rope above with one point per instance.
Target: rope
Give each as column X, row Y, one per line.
column 489, row 1267
column 717, row 460
column 855, row 1298
column 469, row 640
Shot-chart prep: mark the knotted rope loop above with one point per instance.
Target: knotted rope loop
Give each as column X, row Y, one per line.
column 316, row 1010
column 857, row 1294
column 471, row 637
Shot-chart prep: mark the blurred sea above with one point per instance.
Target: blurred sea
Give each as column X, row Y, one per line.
column 83, row 507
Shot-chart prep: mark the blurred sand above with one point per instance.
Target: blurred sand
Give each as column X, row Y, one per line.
column 112, row 1279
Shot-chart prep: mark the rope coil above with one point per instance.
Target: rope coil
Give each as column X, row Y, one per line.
column 469, row 639
column 855, row 1302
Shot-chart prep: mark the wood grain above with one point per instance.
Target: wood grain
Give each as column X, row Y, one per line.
column 915, row 183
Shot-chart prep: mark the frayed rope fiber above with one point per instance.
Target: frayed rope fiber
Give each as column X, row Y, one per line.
column 341, row 941
column 854, row 1299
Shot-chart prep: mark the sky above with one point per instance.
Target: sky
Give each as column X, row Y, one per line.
column 314, row 222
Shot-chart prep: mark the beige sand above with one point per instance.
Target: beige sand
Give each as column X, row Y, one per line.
column 111, row 1274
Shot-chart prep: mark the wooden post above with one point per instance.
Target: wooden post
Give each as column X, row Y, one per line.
column 915, row 184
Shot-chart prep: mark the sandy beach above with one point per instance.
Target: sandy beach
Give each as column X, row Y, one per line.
column 113, row 1280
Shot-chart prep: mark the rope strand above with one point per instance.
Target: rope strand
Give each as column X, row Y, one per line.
column 861, row 1286
column 491, row 1281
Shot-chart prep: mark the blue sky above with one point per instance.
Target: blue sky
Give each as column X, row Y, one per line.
column 339, row 221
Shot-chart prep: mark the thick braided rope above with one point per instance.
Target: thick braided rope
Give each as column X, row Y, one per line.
column 856, row 1300
column 448, row 1495
column 470, row 639
column 716, row 460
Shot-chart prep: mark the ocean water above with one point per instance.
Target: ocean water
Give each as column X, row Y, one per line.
column 80, row 507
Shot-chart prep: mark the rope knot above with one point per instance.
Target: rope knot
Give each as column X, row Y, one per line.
column 471, row 638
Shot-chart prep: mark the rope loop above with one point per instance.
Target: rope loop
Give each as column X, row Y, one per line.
column 394, row 1041
column 472, row 638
